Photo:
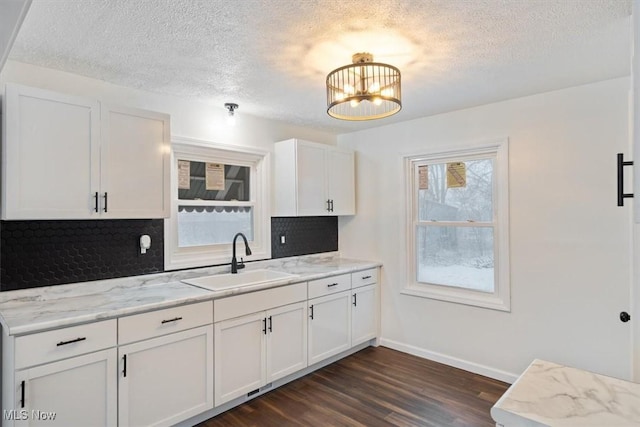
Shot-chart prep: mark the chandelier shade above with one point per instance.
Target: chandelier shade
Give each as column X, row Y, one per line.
column 363, row 90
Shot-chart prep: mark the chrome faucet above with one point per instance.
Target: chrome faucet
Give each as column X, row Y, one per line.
column 247, row 251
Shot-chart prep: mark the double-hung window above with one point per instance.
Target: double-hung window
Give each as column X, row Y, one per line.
column 457, row 216
column 217, row 191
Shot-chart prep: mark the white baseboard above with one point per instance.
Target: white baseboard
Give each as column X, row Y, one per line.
column 476, row 368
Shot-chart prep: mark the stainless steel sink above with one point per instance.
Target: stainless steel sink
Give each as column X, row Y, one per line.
column 219, row 282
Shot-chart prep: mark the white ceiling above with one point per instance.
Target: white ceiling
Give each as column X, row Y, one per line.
column 272, row 56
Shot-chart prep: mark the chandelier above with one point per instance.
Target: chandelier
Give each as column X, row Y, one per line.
column 364, row 90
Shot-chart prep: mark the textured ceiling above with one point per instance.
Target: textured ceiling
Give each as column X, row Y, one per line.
column 272, row 56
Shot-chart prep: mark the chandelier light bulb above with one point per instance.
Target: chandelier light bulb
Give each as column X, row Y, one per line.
column 375, row 87
column 349, row 90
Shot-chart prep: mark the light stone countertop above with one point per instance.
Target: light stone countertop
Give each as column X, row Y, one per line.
column 548, row 394
column 38, row 309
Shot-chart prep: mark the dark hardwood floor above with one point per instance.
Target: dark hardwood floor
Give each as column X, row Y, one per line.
column 374, row 387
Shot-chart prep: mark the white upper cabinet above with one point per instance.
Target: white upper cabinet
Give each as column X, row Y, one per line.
column 313, row 179
column 50, row 148
column 341, row 184
column 68, row 157
column 135, row 163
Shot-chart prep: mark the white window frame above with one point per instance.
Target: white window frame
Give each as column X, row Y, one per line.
column 258, row 160
column 500, row 299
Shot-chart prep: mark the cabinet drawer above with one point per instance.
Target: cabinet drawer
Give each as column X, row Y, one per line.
column 240, row 305
column 49, row 346
column 329, row 285
column 161, row 322
column 364, row 277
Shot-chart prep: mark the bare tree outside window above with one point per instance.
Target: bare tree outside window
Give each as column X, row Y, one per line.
column 455, row 228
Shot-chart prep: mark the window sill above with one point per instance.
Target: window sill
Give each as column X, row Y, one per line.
column 458, row 296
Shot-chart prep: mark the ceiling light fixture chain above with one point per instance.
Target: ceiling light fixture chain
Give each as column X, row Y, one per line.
column 363, row 90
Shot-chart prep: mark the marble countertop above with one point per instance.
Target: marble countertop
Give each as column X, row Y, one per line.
column 33, row 310
column 548, row 394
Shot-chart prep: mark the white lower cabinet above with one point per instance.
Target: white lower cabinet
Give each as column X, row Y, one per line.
column 76, row 392
column 329, row 326
column 239, row 356
column 166, row 365
column 286, row 340
column 167, row 379
column 256, row 349
column 163, row 367
column 364, row 319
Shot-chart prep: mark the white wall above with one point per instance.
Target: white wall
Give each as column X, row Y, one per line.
column 570, row 243
column 189, row 118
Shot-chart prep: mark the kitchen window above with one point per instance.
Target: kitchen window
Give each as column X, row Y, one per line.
column 457, row 216
column 217, row 191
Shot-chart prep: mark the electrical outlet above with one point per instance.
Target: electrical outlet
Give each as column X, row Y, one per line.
column 283, row 239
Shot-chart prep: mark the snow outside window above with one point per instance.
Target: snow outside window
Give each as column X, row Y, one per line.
column 458, row 226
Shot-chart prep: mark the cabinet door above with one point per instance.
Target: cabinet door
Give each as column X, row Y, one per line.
column 50, row 155
column 76, row 392
column 286, row 340
column 166, row 380
column 329, row 326
column 135, row 163
column 341, row 182
column 239, row 356
column 364, row 322
column 311, row 179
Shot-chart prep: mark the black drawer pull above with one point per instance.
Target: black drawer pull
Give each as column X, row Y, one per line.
column 355, row 300
column 175, row 319
column 311, row 310
column 331, row 285
column 366, row 277
column 71, row 341
column 124, row 367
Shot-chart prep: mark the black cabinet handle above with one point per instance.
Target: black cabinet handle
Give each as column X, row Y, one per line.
column 270, row 324
column 331, row 210
column 328, row 205
column 97, row 197
column 366, row 277
column 331, row 285
column 355, row 300
column 625, row 317
column 124, row 369
column 22, row 385
column 105, row 201
column 71, row 341
column 175, row 319
column 264, row 326
column 311, row 309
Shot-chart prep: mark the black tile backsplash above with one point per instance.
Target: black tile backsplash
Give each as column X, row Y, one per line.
column 304, row 235
column 41, row 253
